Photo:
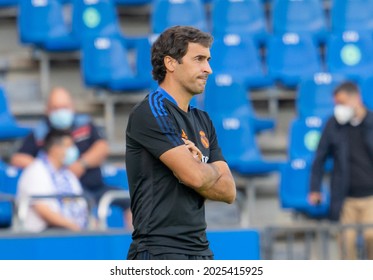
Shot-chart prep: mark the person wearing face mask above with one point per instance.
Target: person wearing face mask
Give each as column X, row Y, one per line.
column 48, row 175
column 348, row 139
column 92, row 146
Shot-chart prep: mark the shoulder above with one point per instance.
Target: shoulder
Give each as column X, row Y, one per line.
column 369, row 118
column 82, row 120
column 33, row 175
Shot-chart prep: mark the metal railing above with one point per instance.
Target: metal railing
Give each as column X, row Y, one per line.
column 104, row 205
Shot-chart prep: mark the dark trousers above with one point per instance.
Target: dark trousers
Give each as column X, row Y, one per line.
column 145, row 255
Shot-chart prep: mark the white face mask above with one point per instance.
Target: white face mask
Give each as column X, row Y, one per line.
column 343, row 113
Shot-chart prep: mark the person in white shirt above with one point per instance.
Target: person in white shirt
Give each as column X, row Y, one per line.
column 48, row 175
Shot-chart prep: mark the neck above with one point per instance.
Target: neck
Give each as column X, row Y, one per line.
column 181, row 96
column 55, row 163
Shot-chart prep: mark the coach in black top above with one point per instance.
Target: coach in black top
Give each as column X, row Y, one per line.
column 173, row 158
column 348, row 139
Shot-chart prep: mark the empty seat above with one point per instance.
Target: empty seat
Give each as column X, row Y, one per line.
column 350, row 54
column 291, row 57
column 105, row 63
column 315, row 95
column 168, row 13
column 352, row 15
column 114, row 176
column 304, row 138
column 235, row 130
column 294, row 189
column 223, row 94
column 238, row 57
column 243, row 17
column 41, row 23
column 302, row 16
column 94, row 18
column 9, row 129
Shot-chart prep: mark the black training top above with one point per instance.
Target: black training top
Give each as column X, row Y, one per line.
column 361, row 163
column 168, row 216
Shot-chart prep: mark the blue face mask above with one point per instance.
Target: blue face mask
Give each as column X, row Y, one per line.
column 61, row 118
column 71, row 155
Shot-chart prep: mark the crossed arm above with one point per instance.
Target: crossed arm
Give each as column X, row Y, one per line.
column 211, row 180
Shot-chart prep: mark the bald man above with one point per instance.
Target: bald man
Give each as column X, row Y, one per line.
column 93, row 148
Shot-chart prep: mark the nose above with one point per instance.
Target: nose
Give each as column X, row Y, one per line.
column 207, row 68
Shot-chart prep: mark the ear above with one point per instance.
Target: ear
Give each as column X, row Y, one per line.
column 169, row 63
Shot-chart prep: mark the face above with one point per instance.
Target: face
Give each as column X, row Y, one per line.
column 60, row 150
column 343, row 98
column 59, row 99
column 192, row 73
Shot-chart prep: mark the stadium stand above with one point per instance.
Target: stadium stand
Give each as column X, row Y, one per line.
column 366, row 91
column 292, row 56
column 350, row 54
column 352, row 15
column 302, row 17
column 167, row 13
column 244, row 17
column 237, row 56
column 8, row 3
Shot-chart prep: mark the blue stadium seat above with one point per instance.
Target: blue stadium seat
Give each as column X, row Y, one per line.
column 315, row 95
column 167, row 13
column 294, row 189
column 235, row 131
column 302, row 17
column 9, row 129
column 238, row 57
column 8, row 3
column 291, row 57
column 352, row 15
column 243, row 17
column 41, row 23
column 132, row 2
column 91, row 19
column 350, row 54
column 215, row 100
column 105, row 64
column 304, row 138
column 366, row 87
column 115, row 177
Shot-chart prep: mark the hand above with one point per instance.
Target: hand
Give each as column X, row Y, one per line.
column 314, row 198
column 77, row 168
column 197, row 154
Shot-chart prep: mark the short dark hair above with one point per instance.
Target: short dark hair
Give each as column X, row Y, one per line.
column 55, row 137
column 349, row 87
column 174, row 43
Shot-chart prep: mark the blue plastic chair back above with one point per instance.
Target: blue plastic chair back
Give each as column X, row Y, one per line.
column 294, row 189
column 366, row 87
column 115, row 177
column 229, row 110
column 238, row 57
column 40, row 20
column 305, row 16
column 8, row 3
column 291, row 57
column 93, row 18
column 304, row 138
column 104, row 59
column 243, row 17
column 168, row 13
column 315, row 95
column 356, row 15
column 350, row 54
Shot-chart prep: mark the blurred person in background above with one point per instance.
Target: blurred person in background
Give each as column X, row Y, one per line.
column 48, row 175
column 174, row 162
column 348, row 139
column 93, row 148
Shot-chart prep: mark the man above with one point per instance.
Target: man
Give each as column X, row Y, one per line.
column 173, row 158
column 48, row 175
column 93, row 148
column 348, row 139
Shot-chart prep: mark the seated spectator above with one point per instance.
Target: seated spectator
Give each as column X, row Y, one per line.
column 48, row 175
column 93, row 148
